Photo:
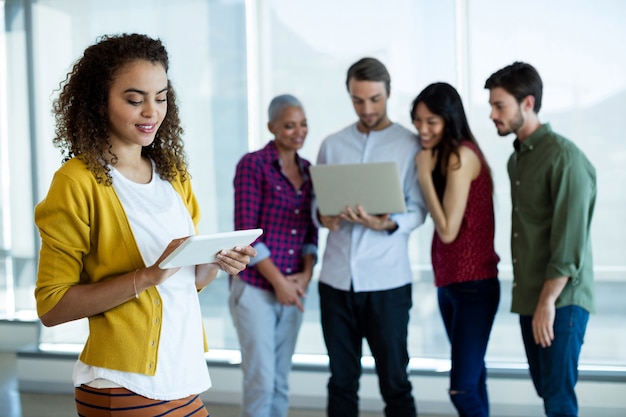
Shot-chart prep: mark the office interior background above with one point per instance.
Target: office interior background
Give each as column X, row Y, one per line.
column 230, row 57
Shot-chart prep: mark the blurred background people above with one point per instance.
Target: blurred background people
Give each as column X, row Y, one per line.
column 458, row 189
column 273, row 191
column 365, row 284
column 553, row 195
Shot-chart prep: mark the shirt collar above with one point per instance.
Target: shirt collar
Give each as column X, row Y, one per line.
column 272, row 151
column 274, row 157
column 533, row 140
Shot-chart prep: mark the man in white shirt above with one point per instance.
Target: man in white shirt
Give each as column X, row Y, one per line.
column 366, row 281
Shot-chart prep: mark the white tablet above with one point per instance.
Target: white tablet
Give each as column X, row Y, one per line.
column 202, row 249
column 375, row 186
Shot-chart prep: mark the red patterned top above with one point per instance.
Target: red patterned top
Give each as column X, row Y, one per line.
column 471, row 256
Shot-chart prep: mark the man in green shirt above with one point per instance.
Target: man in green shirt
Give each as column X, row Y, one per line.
column 553, row 192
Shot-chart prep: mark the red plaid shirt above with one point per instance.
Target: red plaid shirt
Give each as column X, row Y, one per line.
column 265, row 198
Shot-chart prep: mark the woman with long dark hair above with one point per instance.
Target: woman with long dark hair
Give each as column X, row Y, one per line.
column 457, row 186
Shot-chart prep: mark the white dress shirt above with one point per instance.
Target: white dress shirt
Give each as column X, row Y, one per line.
column 373, row 260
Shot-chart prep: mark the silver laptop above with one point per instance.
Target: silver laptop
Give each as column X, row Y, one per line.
column 376, row 186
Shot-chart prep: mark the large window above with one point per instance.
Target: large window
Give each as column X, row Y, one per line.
column 229, row 58
column 16, row 226
column 206, row 43
column 306, row 51
column 572, row 44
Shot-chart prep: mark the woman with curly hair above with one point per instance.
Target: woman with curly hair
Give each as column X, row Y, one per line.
column 458, row 189
column 120, row 203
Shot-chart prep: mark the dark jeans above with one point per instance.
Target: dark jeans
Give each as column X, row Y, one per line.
column 381, row 317
column 554, row 369
column 468, row 310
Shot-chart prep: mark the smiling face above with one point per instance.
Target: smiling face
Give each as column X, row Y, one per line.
column 369, row 99
column 289, row 128
column 137, row 104
column 429, row 125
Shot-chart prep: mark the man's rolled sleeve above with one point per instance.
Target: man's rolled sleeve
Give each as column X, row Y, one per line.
column 573, row 188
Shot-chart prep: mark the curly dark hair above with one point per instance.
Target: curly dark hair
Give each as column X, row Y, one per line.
column 82, row 116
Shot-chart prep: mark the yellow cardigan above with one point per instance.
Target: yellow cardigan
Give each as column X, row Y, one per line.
column 86, row 238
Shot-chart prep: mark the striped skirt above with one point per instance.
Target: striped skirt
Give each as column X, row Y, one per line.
column 120, row 402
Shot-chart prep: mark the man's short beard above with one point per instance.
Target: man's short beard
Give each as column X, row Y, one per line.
column 515, row 124
column 376, row 123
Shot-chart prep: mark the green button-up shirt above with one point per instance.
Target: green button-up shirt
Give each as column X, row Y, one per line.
column 553, row 193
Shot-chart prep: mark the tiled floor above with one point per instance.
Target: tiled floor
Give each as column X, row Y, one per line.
column 16, row 404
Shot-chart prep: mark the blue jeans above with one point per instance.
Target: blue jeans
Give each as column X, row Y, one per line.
column 267, row 332
column 554, row 370
column 468, row 310
column 381, row 317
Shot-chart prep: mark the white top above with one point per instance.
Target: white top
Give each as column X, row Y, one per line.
column 373, row 260
column 157, row 215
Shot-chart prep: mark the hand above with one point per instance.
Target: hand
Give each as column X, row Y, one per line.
column 543, row 324
column 288, row 292
column 233, row 261
column 375, row 222
column 301, row 279
column 157, row 275
column 426, row 161
column 330, row 222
